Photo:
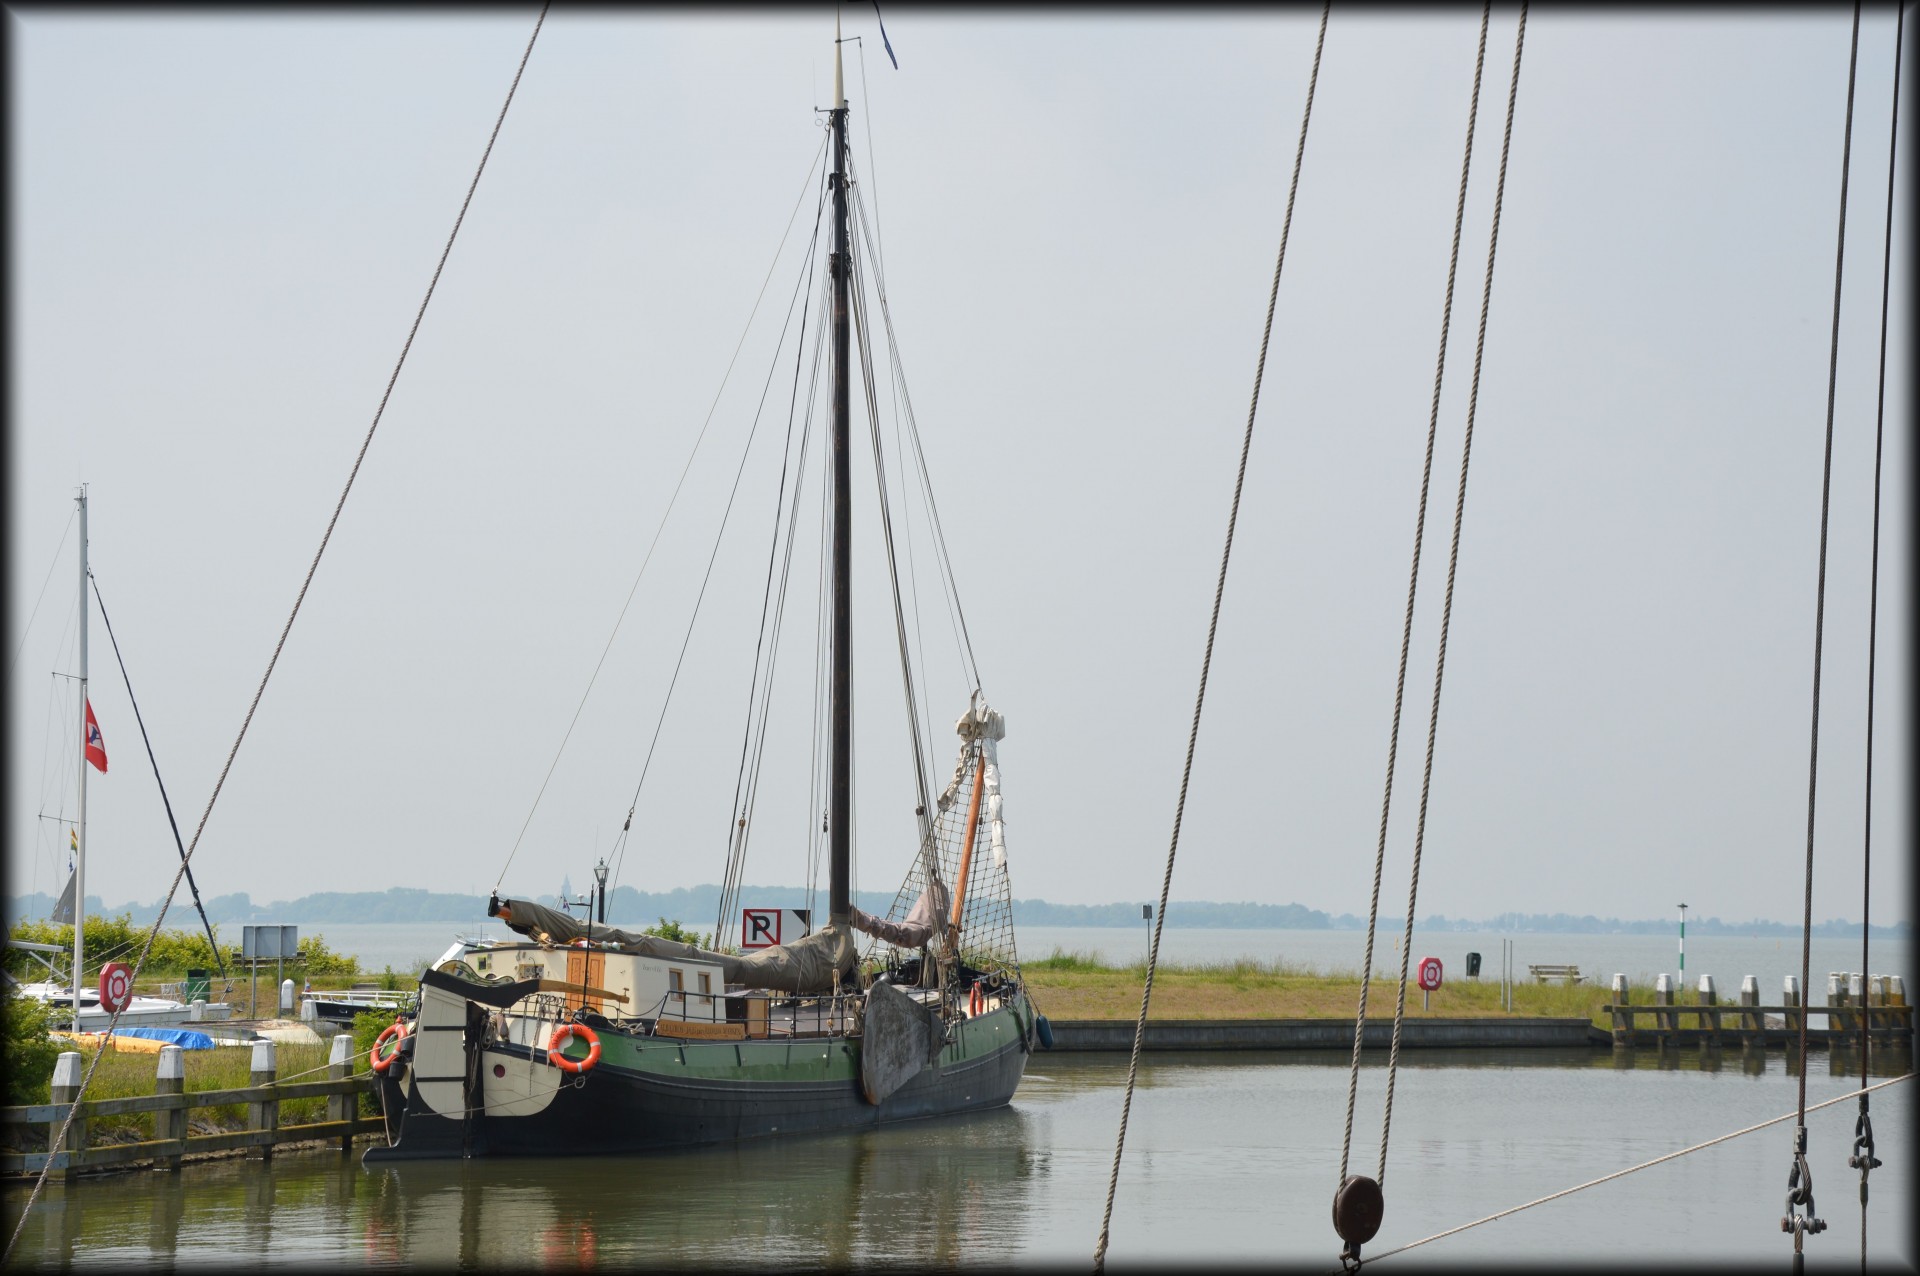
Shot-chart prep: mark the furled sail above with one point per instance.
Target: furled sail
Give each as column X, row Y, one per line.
column 916, row 928
column 810, row 964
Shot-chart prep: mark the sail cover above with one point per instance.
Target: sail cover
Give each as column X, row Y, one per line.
column 808, row 965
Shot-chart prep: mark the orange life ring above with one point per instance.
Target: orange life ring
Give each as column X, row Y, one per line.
column 395, row 1032
column 976, row 1002
column 564, row 1037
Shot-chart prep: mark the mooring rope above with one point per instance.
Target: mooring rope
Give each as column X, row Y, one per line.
column 80, row 910
column 1619, row 1174
column 1800, row 1177
column 1413, row 582
column 1206, row 660
column 1863, row 1158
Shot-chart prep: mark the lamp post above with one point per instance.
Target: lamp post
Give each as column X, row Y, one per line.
column 1682, row 983
column 1146, row 915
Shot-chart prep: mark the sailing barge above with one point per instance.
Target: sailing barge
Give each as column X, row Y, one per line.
column 585, row 1039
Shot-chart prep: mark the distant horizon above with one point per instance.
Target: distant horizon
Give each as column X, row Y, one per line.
column 689, row 901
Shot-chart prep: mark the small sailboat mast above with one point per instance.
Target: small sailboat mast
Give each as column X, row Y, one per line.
column 840, row 799
column 80, row 834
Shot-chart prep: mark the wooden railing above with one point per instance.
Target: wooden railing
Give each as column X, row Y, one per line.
column 170, row 1104
column 1742, row 1022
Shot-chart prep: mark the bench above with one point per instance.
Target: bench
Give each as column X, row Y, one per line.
column 1546, row 974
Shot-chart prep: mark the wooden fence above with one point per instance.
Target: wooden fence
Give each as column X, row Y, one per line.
column 171, row 1102
column 1880, row 1010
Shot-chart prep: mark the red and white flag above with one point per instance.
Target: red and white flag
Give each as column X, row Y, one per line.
column 96, row 745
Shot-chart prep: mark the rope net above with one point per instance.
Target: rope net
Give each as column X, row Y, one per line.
column 986, row 910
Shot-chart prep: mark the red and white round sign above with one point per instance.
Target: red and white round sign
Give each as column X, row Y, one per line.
column 1429, row 973
column 116, row 986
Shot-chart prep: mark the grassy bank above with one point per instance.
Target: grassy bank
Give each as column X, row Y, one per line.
column 1075, row 986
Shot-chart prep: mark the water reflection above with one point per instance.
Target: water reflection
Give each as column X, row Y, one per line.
column 927, row 1192
column 1229, row 1156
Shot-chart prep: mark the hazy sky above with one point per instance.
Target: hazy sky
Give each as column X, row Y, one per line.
column 223, row 222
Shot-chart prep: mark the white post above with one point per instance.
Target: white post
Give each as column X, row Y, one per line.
column 171, row 1078
column 1683, row 947
column 286, row 996
column 80, row 833
column 197, row 1012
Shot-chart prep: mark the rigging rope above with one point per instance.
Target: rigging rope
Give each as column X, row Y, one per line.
column 1800, row 1177
column 1206, row 660
column 1453, row 564
column 1863, row 1158
column 1413, row 581
column 279, row 646
column 1358, row 1204
column 726, row 515
column 752, row 748
column 42, row 597
column 165, row 801
column 664, row 516
column 1618, row 1174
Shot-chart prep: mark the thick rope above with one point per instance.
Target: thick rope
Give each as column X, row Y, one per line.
column 1619, row 1174
column 60, row 1139
column 1413, row 581
column 1206, row 661
column 1446, row 609
column 1863, row 1129
column 1800, row 1179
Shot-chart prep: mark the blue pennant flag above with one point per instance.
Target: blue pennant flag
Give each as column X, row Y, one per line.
column 883, row 36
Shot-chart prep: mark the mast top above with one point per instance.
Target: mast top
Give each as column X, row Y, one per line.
column 839, row 93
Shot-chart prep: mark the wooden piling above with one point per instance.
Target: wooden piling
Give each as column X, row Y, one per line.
column 1667, row 1024
column 1792, row 1012
column 171, row 1123
column 67, row 1071
column 1622, row 1022
column 1751, row 1023
column 342, row 1107
column 1709, row 1018
column 263, row 1114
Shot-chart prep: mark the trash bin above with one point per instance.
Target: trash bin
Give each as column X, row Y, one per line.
column 1473, row 965
column 197, row 985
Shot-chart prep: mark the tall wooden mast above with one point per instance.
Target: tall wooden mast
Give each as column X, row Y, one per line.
column 840, row 799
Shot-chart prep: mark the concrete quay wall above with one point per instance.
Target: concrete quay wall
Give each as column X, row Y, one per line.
column 1322, row 1034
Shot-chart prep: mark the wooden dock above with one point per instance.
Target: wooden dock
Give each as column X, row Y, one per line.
column 170, row 1105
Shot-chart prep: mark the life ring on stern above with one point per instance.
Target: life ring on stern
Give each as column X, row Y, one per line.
column 395, row 1032
column 562, row 1038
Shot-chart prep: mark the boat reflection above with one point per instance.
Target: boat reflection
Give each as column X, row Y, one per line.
column 932, row 1191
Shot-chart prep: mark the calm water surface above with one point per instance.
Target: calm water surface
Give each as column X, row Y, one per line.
column 1229, row 1157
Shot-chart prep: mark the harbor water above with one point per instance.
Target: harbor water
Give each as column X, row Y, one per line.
column 1231, row 1158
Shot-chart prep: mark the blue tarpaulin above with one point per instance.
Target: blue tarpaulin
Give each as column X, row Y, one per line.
column 185, row 1038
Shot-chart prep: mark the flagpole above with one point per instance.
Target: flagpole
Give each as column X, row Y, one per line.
column 80, row 854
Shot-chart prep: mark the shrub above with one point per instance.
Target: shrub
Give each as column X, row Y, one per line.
column 26, row 1051
column 679, row 934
